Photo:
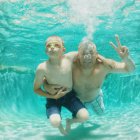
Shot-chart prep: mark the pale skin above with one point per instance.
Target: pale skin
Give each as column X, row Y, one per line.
column 90, row 70
column 88, row 77
column 57, row 71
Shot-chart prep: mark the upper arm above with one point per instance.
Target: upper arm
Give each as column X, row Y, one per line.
column 72, row 55
column 115, row 67
column 38, row 81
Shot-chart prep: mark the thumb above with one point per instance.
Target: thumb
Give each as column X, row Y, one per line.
column 99, row 58
column 60, row 90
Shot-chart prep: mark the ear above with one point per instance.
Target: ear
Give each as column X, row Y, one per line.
column 76, row 58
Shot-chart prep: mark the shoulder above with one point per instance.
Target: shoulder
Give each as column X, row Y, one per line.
column 71, row 55
column 41, row 66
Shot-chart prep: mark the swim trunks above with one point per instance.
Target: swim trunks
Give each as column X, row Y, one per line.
column 97, row 104
column 69, row 101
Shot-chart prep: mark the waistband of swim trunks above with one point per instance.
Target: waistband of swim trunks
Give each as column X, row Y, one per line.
column 100, row 94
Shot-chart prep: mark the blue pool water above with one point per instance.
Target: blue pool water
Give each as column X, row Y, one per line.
column 24, row 27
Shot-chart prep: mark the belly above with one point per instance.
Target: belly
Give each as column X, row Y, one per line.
column 86, row 94
column 64, row 80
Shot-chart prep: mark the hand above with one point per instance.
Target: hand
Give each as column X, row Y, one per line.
column 121, row 50
column 52, row 89
column 101, row 59
column 62, row 92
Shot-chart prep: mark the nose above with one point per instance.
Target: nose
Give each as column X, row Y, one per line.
column 88, row 56
column 52, row 47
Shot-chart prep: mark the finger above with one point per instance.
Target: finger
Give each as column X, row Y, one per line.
column 57, row 88
column 118, row 40
column 63, row 88
column 113, row 45
column 94, row 45
column 59, row 91
column 100, row 58
column 63, row 92
column 125, row 50
column 44, row 80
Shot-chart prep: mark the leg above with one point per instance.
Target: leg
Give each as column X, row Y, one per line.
column 55, row 120
column 81, row 116
column 53, row 113
column 98, row 105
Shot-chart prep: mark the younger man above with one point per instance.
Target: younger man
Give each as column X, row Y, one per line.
column 58, row 71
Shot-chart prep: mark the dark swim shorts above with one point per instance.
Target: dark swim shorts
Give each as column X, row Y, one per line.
column 69, row 101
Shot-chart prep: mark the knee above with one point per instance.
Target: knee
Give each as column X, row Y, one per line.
column 55, row 120
column 82, row 115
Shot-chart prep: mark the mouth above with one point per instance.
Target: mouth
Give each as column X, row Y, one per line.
column 87, row 62
column 52, row 51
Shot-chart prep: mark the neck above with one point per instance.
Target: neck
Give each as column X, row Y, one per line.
column 55, row 60
column 87, row 65
column 87, row 68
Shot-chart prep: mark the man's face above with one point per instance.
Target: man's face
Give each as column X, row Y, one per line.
column 54, row 47
column 87, row 54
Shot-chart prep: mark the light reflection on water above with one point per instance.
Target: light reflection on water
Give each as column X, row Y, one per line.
column 116, row 123
column 24, row 27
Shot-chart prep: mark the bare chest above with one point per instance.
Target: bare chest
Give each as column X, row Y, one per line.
column 59, row 74
column 88, row 81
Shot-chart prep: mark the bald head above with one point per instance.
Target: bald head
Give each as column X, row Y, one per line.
column 87, row 53
column 87, row 45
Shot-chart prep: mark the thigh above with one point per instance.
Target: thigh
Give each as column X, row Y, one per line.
column 73, row 104
column 98, row 105
column 52, row 108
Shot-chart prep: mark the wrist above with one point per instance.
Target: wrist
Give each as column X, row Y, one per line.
column 125, row 58
column 49, row 96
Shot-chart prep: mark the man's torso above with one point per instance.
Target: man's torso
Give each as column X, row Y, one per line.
column 88, row 85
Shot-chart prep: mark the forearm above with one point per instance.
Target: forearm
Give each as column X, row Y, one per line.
column 42, row 93
column 51, row 88
column 46, row 87
column 130, row 66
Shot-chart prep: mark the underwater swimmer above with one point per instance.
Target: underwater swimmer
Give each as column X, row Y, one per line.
column 90, row 70
column 58, row 71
